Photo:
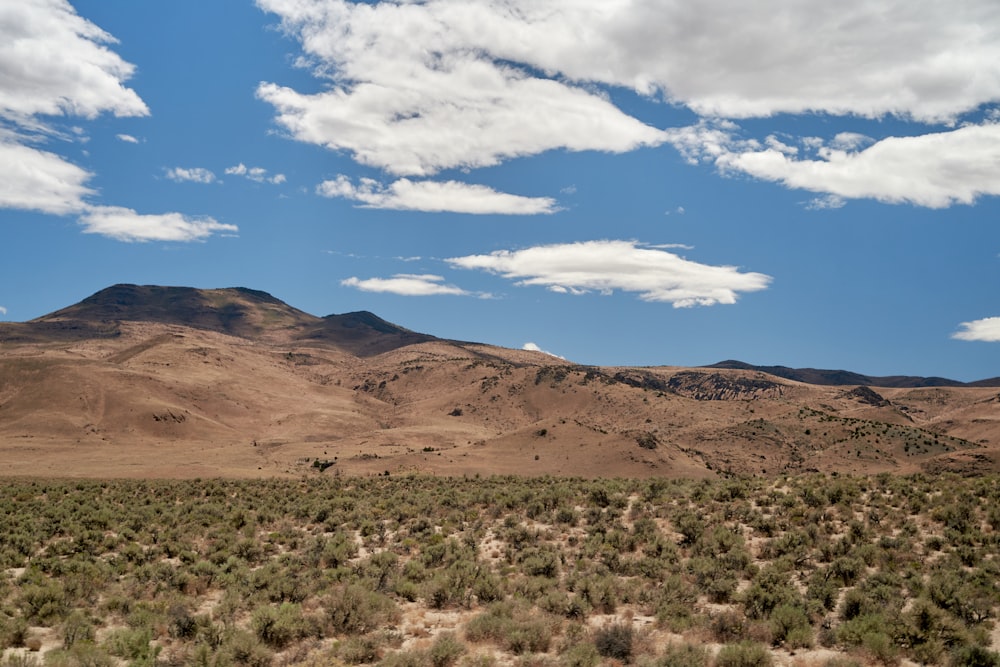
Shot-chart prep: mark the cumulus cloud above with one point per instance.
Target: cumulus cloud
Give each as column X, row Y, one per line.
column 933, row 170
column 36, row 180
column 532, row 347
column 255, row 174
column 124, row 224
column 717, row 57
column 127, row 138
column 987, row 330
column 406, row 284
column 414, row 88
column 195, row 175
column 606, row 266
column 434, row 196
column 55, row 63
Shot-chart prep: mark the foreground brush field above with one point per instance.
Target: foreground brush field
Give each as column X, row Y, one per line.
column 396, row 571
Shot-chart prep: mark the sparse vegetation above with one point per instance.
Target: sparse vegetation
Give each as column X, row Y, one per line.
column 498, row 570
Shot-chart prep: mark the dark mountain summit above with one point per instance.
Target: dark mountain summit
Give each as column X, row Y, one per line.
column 842, row 378
column 236, row 311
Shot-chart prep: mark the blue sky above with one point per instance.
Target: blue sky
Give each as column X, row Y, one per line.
column 635, row 183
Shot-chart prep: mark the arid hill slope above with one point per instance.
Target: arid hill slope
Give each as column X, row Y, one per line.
column 179, row 382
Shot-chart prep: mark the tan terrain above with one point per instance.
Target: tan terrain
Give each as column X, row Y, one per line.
column 178, row 382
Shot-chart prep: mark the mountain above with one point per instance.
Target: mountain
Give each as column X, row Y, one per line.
column 236, row 311
column 832, row 377
column 142, row 381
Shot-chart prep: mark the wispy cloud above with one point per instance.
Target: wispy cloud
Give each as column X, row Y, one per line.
column 434, row 196
column 3, row 311
column 127, row 138
column 607, row 266
column 194, row 175
column 406, row 284
column 255, row 174
column 987, row 330
column 124, row 224
column 825, row 202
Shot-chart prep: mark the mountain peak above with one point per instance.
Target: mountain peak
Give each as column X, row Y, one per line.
column 238, row 311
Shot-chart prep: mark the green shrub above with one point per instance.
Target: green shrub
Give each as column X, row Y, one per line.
column 82, row 654
column 278, row 627
column 13, row 632
column 615, row 641
column 790, row 625
column 582, row 654
column 682, row 655
column 744, row 654
column 729, row 626
column 445, row 650
column 242, row 649
column 77, row 628
column 359, row 650
column 132, row 645
column 974, row 656
column 354, row 610
column 769, row 590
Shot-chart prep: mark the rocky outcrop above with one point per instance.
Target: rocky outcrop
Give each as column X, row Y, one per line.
column 720, row 387
column 867, row 396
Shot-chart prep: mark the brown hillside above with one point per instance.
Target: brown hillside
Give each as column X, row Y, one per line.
column 178, row 382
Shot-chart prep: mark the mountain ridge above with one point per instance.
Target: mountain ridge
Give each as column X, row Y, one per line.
column 829, row 377
column 253, row 313
column 148, row 381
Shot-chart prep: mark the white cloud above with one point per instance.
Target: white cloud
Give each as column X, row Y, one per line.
column 255, row 174
column 54, row 62
column 3, row 311
column 406, row 284
column 933, row 170
column 36, row 180
column 987, row 330
column 195, row 175
column 532, row 347
column 606, row 266
column 848, row 141
column 414, row 88
column 723, row 58
column 420, row 88
column 124, row 224
column 434, row 196
column 127, row 138
column 826, row 202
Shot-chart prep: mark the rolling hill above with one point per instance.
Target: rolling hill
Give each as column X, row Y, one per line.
column 140, row 381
